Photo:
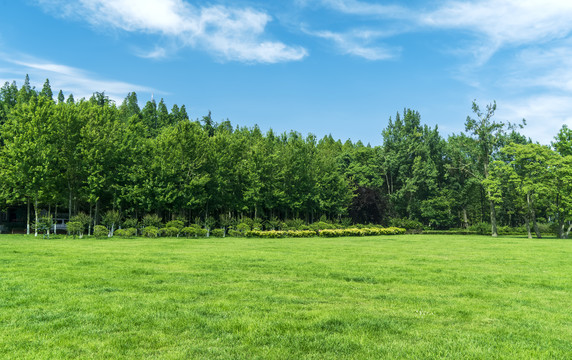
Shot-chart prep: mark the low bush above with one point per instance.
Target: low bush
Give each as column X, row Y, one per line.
column 361, row 232
column 190, row 231
column 119, row 233
column 272, row 234
column 170, row 231
column 150, row 231
column 236, row 233
column 411, row 226
column 125, row 233
column 74, row 228
column 152, row 220
column 217, row 233
column 482, row 228
column 326, row 232
column 450, row 232
column 178, row 224
column 100, row 231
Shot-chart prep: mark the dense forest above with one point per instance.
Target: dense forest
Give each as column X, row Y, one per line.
column 91, row 156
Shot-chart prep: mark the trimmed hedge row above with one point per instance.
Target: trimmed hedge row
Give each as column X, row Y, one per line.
column 274, row 234
column 361, row 232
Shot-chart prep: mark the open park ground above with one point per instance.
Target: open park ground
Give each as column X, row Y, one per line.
column 408, row 296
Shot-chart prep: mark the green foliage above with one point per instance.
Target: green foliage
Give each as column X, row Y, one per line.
column 169, row 231
column 150, row 231
column 242, row 228
column 273, row 234
column 92, row 154
column 126, row 233
column 321, row 225
column 481, row 228
column 178, row 224
column 100, row 231
column 408, row 224
column 131, row 223
column 44, row 224
column 74, row 228
column 361, row 232
column 152, row 220
column 194, row 231
column 217, row 233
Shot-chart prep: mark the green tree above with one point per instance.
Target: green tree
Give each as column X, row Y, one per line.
column 47, row 90
column 487, row 133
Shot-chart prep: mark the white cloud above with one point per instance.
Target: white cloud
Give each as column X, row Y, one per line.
column 495, row 23
column 69, row 79
column 229, row 33
column 544, row 114
column 502, row 23
column 355, row 7
column 543, row 67
column 358, row 43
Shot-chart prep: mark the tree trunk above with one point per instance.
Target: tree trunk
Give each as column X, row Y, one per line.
column 494, row 232
column 528, row 215
column 533, row 215
column 36, row 215
column 465, row 219
column 95, row 222
column 70, row 205
column 28, row 219
column 90, row 221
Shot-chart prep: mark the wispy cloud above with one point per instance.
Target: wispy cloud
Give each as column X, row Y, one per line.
column 79, row 82
column 355, row 7
column 235, row 34
column 361, row 43
column 494, row 23
column 545, row 114
column 505, row 22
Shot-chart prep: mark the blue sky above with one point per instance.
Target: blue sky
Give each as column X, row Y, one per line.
column 315, row 66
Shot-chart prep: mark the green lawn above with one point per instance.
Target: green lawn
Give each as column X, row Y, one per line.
column 410, row 296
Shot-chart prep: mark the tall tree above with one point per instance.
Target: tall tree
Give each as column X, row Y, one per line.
column 47, row 90
column 487, row 133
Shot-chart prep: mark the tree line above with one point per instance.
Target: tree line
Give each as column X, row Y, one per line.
column 94, row 156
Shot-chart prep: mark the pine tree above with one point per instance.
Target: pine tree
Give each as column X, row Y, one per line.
column 47, row 90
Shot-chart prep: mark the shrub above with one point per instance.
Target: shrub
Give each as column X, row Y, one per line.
column 236, row 233
column 301, row 233
column 125, row 233
column 217, row 233
column 130, row 232
column 74, row 228
column 150, row 231
column 100, row 231
column 321, row 225
column 83, row 219
column 170, row 231
column 327, row 232
column 407, row 224
column 119, row 233
column 295, row 224
column 482, row 228
column 190, row 231
column 178, row 224
column 152, row 220
column 131, row 223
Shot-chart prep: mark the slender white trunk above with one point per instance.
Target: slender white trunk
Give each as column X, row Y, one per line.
column 28, row 219
column 36, row 215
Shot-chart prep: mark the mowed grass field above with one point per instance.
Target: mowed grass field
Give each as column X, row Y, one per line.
column 403, row 297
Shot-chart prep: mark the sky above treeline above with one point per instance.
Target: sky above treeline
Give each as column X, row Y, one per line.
column 339, row 67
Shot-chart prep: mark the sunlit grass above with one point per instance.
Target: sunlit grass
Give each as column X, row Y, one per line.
column 411, row 296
